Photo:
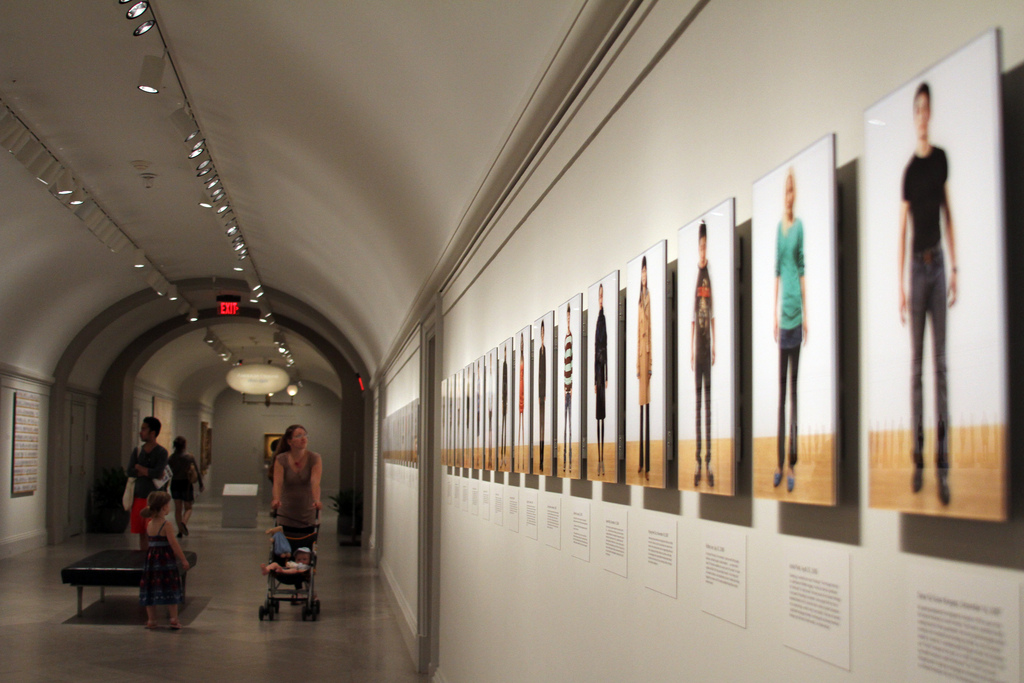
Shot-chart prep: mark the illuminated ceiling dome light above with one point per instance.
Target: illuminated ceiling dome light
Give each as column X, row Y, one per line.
column 137, row 10
column 292, row 390
column 144, row 27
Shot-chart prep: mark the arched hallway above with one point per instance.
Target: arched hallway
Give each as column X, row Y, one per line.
column 356, row 637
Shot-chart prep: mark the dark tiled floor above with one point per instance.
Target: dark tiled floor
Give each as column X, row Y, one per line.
column 356, row 637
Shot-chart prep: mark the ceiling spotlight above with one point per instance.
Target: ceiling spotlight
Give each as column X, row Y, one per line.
column 137, row 10
column 172, row 292
column 77, row 197
column 202, row 160
column 218, row 193
column 292, row 390
column 203, row 171
column 185, row 124
column 140, row 258
column 209, row 338
column 65, row 183
column 29, row 151
column 239, row 246
column 212, row 183
column 242, row 256
column 197, row 150
column 204, row 201
column 223, row 207
column 239, row 268
column 260, row 293
column 152, row 71
column 232, row 229
column 144, row 27
column 193, row 314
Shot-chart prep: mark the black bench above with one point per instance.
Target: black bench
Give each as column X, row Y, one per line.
column 112, row 568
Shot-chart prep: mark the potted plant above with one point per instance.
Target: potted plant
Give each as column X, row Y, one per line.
column 348, row 503
column 108, row 513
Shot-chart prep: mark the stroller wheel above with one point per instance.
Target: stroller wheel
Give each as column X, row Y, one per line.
column 316, row 606
column 270, row 614
column 305, row 612
column 263, row 612
column 276, row 605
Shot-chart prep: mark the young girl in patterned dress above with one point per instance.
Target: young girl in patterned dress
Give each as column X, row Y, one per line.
column 161, row 582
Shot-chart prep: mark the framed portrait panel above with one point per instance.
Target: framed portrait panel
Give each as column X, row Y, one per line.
column 521, row 356
column 467, row 415
column 793, row 292
column 569, row 382
column 647, row 366
column 603, row 384
column 479, row 411
column 935, row 326
column 545, row 360
column 491, row 404
column 504, row 412
column 707, row 352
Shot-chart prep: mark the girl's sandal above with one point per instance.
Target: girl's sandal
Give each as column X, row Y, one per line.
column 175, row 624
column 151, row 625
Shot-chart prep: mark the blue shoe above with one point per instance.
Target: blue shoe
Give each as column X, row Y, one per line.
column 790, row 483
column 777, row 479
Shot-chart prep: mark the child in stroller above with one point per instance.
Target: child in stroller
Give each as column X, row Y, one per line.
column 291, row 572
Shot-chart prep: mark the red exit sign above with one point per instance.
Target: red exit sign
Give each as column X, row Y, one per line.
column 229, row 308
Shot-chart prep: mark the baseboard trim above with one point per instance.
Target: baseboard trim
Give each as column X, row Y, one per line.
column 15, row 545
column 407, row 622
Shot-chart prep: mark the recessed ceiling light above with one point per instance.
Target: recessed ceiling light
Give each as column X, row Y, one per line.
column 210, row 184
column 204, row 171
column 144, row 27
column 231, row 230
column 196, row 151
column 239, row 268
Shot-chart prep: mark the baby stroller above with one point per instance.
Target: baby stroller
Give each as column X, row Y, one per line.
column 295, row 587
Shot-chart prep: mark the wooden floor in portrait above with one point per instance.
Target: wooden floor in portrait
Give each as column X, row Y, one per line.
column 521, row 459
column 815, row 470
column 723, row 464
column 610, row 473
column 568, row 461
column 656, row 477
column 977, row 474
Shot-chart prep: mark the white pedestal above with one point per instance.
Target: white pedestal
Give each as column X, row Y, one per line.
column 240, row 506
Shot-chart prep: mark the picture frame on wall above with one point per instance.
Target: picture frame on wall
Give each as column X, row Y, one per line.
column 569, row 380
column 707, row 352
column 504, row 412
column 468, row 411
column 492, row 415
column 544, row 393
column 647, row 367
column 604, row 386
column 794, row 327
column 520, row 399
column 936, row 327
column 479, row 411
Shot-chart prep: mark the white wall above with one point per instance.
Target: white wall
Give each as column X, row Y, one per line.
column 745, row 86
column 400, row 500
column 22, row 518
column 238, row 436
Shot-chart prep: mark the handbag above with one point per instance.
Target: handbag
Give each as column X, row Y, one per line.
column 193, row 475
column 163, row 480
column 128, row 499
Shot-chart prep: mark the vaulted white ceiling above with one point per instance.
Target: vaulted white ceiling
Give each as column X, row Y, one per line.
column 353, row 139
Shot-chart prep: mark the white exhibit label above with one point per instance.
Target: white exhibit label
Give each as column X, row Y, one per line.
column 614, row 557
column 723, row 592
column 661, row 553
column 551, row 521
column 448, row 489
column 963, row 627
column 818, row 602
column 485, row 500
column 465, row 496
column 498, row 502
column 532, row 514
column 512, row 518
column 581, row 529
column 474, row 497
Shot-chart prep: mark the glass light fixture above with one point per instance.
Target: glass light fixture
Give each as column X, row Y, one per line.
column 137, row 10
column 239, row 269
column 144, row 27
column 172, row 293
column 185, row 124
column 232, row 229
column 196, row 151
column 193, row 314
column 140, row 258
column 292, row 390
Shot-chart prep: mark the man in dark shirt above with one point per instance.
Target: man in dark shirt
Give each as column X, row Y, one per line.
column 926, row 201
column 542, row 369
column 146, row 463
column 702, row 350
